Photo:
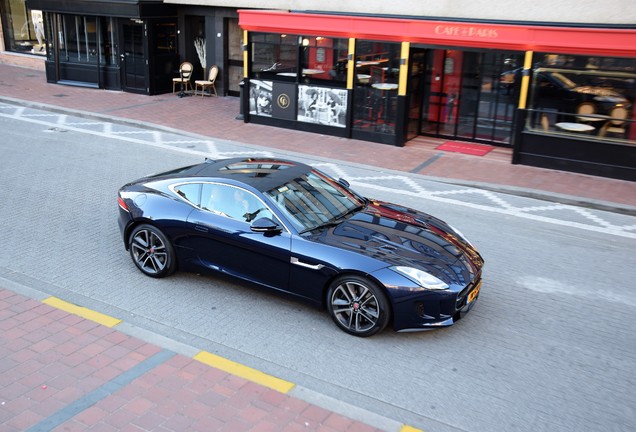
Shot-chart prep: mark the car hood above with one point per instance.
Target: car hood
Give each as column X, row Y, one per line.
column 399, row 236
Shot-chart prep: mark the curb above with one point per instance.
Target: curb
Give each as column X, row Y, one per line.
column 253, row 375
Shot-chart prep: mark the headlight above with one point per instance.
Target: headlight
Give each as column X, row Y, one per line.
column 422, row 278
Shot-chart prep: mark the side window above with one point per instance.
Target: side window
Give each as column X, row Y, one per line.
column 190, row 192
column 233, row 202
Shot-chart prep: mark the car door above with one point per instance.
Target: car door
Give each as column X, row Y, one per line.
column 221, row 236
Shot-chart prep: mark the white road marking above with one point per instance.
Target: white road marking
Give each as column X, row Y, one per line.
column 550, row 286
column 411, row 188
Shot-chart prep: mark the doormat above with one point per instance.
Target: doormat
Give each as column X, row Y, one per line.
column 466, row 148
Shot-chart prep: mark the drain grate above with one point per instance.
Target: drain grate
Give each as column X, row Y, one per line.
column 60, row 95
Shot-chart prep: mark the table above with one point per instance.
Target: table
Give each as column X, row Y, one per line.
column 364, row 78
column 596, row 118
column 574, row 127
column 323, row 112
column 305, row 72
column 313, row 71
column 385, row 87
column 361, row 63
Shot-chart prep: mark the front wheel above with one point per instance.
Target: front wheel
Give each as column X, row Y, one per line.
column 151, row 251
column 358, row 306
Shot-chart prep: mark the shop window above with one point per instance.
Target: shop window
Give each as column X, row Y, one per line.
column 274, row 55
column 566, row 90
column 23, row 28
column 566, row 84
column 166, row 38
column 108, row 53
column 83, row 39
column 324, row 59
column 593, row 101
column 297, row 58
column 376, row 84
column 78, row 38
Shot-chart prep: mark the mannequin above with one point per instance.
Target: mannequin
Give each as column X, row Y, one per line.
column 38, row 25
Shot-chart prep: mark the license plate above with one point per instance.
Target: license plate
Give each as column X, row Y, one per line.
column 473, row 294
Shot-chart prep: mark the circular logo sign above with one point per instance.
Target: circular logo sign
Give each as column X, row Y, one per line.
column 283, row 101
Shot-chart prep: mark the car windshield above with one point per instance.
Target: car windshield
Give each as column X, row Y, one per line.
column 314, row 200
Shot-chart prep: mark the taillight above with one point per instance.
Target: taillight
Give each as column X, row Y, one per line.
column 122, row 203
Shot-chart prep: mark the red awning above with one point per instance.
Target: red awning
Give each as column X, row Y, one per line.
column 566, row 40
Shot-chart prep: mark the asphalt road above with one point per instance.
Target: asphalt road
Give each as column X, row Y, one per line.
column 550, row 346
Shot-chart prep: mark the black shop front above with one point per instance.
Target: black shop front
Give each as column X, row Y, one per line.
column 128, row 45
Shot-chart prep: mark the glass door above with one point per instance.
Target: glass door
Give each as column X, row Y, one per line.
column 416, row 85
column 133, row 57
column 462, row 94
column 442, row 86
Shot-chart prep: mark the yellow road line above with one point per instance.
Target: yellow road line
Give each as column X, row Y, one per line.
column 242, row 371
column 407, row 428
column 89, row 314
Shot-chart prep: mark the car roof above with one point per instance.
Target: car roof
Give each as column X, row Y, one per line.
column 262, row 174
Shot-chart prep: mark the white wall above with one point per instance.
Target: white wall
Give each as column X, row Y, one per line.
column 555, row 11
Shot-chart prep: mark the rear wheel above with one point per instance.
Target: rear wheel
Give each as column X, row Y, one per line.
column 358, row 306
column 151, row 251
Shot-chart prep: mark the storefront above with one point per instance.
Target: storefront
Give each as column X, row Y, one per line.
column 389, row 80
column 129, row 45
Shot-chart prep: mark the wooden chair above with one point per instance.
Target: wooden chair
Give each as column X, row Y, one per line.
column 185, row 73
column 209, row 83
column 616, row 124
column 585, row 109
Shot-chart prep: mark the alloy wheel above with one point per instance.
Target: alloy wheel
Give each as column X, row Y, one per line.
column 355, row 307
column 149, row 251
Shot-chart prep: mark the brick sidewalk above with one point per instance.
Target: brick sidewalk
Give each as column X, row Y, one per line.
column 59, row 371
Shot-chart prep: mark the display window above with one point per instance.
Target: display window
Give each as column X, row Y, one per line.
column 23, row 28
column 583, row 95
column 297, row 58
column 376, row 83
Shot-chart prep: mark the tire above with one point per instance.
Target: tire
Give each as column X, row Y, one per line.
column 151, row 251
column 358, row 306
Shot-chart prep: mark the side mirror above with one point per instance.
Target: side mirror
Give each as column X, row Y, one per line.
column 344, row 182
column 265, row 225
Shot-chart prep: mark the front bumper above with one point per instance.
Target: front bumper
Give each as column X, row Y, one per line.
column 434, row 309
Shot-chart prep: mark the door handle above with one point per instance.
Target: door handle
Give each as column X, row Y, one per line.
column 298, row 262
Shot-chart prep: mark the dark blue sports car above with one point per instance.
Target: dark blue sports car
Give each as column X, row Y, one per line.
column 288, row 227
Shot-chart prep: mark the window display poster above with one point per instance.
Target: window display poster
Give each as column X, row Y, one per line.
column 322, row 105
column 273, row 99
column 261, row 98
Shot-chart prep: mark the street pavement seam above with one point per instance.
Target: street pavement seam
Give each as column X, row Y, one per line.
column 426, row 163
column 204, row 357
